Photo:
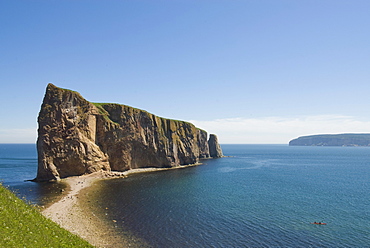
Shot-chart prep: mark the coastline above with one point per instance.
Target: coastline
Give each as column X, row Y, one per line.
column 74, row 211
column 69, row 212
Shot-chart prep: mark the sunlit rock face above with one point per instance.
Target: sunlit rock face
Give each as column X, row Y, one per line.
column 77, row 137
column 214, row 147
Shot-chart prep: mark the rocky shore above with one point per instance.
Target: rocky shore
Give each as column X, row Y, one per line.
column 76, row 212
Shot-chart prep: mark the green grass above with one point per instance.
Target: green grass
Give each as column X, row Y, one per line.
column 22, row 225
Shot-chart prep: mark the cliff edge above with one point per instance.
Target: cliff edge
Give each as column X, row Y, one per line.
column 77, row 137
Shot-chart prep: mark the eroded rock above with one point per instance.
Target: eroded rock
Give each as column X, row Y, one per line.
column 214, row 147
column 77, row 137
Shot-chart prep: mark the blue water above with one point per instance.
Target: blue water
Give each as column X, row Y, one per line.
column 18, row 163
column 262, row 196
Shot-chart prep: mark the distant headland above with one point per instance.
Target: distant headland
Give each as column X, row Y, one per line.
column 346, row 139
column 77, row 137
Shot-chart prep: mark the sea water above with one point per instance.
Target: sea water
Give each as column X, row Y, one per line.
column 18, row 165
column 259, row 196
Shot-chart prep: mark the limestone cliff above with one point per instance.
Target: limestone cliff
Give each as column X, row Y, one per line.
column 214, row 147
column 77, row 137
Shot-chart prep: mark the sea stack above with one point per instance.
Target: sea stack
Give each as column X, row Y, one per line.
column 77, row 137
column 214, row 147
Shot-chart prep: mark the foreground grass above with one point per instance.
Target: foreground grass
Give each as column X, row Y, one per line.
column 22, row 225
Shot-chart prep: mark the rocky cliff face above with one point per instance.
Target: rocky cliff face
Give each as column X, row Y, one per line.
column 214, row 147
column 77, row 137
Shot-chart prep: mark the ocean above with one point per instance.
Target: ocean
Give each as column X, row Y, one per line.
column 259, row 196
column 18, row 165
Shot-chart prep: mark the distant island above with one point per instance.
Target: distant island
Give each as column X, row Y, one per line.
column 346, row 139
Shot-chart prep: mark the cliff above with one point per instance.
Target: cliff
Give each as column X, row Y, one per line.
column 214, row 147
column 347, row 139
column 77, row 137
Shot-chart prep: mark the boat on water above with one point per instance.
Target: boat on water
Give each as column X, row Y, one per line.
column 318, row 223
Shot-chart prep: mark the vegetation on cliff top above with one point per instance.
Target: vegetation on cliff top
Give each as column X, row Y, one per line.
column 105, row 113
column 22, row 225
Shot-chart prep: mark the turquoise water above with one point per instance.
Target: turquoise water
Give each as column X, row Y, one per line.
column 262, row 196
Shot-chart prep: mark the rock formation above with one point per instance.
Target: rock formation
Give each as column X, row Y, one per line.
column 77, row 137
column 215, row 150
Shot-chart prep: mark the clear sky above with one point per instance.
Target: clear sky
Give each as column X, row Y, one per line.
column 251, row 71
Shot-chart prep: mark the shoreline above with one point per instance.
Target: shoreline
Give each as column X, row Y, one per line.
column 69, row 212
column 72, row 211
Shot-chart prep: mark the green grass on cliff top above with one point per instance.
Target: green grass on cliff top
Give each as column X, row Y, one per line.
column 22, row 225
column 105, row 113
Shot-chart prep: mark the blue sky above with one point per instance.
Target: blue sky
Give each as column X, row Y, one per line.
column 251, row 71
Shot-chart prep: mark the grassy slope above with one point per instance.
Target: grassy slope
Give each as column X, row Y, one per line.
column 22, row 225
